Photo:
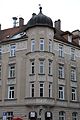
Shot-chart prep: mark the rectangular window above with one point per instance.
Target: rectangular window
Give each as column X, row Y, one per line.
column 61, row 71
column 73, row 73
column 32, row 45
column 75, row 116
column 41, row 89
column 0, row 71
column 74, row 94
column 10, row 92
column 41, row 67
column 32, row 90
column 50, row 46
column 32, row 67
column 61, row 51
column 61, row 115
column 41, row 44
column 61, row 92
column 9, row 115
column 0, row 53
column 50, row 89
column 50, row 67
column 11, row 70
column 12, row 50
column 72, row 54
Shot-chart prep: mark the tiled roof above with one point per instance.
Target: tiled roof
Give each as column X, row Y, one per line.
column 60, row 35
column 7, row 33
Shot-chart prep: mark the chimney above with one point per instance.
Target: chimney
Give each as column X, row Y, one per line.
column 21, row 21
column 14, row 21
column 57, row 24
column 33, row 14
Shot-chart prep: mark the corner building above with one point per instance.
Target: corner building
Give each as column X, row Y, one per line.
column 39, row 71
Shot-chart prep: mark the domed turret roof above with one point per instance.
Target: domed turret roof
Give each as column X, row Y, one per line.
column 40, row 20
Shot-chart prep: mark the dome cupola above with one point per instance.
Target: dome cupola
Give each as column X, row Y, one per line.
column 40, row 20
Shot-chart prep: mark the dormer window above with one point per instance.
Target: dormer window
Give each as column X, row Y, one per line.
column 79, row 42
column 69, row 38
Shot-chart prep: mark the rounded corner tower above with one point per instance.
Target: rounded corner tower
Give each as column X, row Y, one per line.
column 40, row 20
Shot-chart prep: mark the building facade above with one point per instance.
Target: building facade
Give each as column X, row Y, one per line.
column 39, row 71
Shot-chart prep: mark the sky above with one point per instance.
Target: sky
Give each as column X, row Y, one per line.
column 68, row 11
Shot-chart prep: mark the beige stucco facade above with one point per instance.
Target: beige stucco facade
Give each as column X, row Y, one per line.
column 23, row 103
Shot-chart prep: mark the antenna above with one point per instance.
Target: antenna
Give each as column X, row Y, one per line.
column 40, row 8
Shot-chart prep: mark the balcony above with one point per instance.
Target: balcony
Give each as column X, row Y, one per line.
column 39, row 101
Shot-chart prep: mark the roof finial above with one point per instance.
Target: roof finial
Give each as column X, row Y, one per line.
column 40, row 8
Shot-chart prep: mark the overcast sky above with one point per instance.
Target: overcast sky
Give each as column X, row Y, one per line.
column 66, row 10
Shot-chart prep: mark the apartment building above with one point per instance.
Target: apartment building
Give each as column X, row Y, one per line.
column 39, row 71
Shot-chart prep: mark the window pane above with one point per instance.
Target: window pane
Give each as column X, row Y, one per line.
column 12, row 50
column 32, row 45
column 41, row 44
column 41, row 67
column 61, row 51
column 41, row 89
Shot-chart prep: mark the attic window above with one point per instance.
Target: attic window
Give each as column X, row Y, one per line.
column 7, row 36
column 79, row 42
column 69, row 38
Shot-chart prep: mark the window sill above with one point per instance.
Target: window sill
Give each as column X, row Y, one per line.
column 61, row 100
column 74, row 81
column 50, row 75
column 74, row 101
column 61, row 57
column 31, row 74
column 73, row 60
column 41, row 74
column 12, row 56
column 10, row 99
column 11, row 77
column 62, row 78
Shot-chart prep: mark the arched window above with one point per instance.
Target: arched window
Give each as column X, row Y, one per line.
column 74, row 116
column 61, row 115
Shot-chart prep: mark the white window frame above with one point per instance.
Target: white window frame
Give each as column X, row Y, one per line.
column 61, row 71
column 31, row 89
column 50, row 45
column 11, row 70
column 12, row 50
column 73, row 74
column 11, row 92
column 74, row 94
column 50, row 89
column 73, row 54
column 32, row 67
column 41, row 67
column 61, row 50
column 74, row 116
column 32, row 45
column 41, row 47
column 41, row 90
column 61, row 92
column 61, row 115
